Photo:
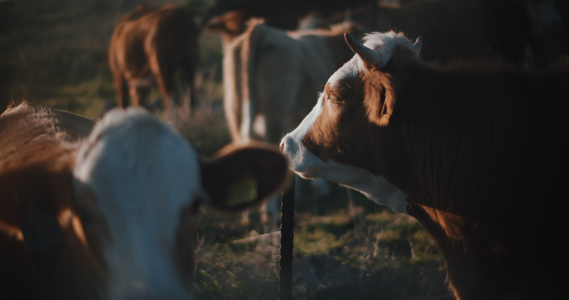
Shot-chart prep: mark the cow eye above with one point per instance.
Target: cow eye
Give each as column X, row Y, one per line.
column 334, row 100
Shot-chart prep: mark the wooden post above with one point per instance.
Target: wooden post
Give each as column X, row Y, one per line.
column 287, row 237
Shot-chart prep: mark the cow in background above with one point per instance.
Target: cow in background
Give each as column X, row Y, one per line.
column 477, row 156
column 112, row 215
column 271, row 77
column 154, row 46
column 230, row 17
column 501, row 29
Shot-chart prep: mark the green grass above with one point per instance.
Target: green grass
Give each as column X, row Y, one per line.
column 344, row 249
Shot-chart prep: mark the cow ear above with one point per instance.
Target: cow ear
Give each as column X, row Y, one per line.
column 232, row 23
column 245, row 176
column 379, row 99
column 418, row 45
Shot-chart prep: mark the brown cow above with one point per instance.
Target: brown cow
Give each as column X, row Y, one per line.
column 111, row 216
column 478, row 157
column 154, row 46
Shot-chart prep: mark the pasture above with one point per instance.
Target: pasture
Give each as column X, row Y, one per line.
column 346, row 247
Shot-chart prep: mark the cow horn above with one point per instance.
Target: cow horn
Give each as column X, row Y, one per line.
column 370, row 58
column 418, row 45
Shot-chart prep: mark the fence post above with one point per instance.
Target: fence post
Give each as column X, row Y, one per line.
column 287, row 237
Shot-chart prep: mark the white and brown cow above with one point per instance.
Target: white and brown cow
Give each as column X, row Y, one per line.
column 111, row 216
column 478, row 157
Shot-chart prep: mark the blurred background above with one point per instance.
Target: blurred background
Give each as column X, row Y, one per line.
column 54, row 53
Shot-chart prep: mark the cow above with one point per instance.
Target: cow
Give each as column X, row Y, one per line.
column 271, row 76
column 155, row 46
column 477, row 155
column 111, row 215
column 265, row 62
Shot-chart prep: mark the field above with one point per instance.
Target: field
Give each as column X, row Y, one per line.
column 54, row 53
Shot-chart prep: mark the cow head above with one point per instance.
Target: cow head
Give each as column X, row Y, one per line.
column 138, row 185
column 333, row 141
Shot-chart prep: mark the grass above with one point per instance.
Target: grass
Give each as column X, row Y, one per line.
column 360, row 251
column 345, row 247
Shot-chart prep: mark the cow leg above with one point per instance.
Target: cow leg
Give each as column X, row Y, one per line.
column 140, row 95
column 187, row 97
column 121, row 88
column 164, row 79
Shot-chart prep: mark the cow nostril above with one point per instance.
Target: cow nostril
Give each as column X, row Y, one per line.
column 282, row 146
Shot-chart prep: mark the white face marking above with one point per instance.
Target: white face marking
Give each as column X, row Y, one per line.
column 349, row 70
column 142, row 174
column 302, row 159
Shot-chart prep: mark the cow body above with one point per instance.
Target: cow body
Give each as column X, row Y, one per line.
column 111, row 216
column 154, row 46
column 273, row 75
column 476, row 156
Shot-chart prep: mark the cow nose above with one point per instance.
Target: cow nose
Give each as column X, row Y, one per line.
column 285, row 144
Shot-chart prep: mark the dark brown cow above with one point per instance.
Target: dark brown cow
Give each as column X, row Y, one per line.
column 478, row 157
column 111, row 216
column 154, row 46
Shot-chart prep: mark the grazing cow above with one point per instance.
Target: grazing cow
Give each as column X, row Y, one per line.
column 111, row 216
column 154, row 46
column 478, row 157
column 271, row 77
